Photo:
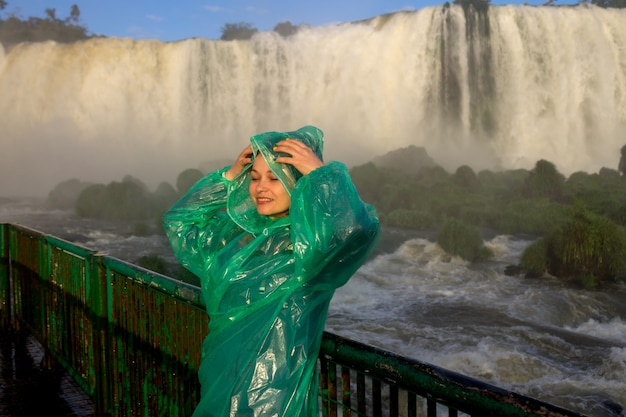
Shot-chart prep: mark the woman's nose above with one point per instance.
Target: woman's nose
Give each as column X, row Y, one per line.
column 261, row 185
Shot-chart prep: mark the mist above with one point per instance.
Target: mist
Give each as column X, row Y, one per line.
column 546, row 83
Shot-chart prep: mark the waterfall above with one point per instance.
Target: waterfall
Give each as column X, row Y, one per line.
column 493, row 91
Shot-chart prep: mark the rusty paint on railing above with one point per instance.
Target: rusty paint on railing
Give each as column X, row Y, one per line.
column 401, row 386
column 131, row 338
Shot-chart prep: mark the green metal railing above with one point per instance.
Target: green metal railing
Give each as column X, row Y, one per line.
column 132, row 339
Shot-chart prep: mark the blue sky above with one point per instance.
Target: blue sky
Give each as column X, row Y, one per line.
column 181, row 19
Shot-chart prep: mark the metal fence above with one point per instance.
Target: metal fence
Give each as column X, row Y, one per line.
column 132, row 339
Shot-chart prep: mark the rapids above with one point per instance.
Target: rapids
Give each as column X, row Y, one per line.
column 499, row 91
column 545, row 338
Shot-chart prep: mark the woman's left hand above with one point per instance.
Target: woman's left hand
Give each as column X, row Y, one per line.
column 302, row 157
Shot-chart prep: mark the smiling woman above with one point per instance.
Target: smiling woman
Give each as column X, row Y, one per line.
column 270, row 237
column 267, row 192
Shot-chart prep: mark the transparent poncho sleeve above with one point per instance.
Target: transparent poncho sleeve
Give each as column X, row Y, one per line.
column 333, row 230
column 186, row 222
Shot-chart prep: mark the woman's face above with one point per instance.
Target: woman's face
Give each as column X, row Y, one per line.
column 267, row 192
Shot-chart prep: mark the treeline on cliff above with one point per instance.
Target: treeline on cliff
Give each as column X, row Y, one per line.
column 15, row 29
column 578, row 222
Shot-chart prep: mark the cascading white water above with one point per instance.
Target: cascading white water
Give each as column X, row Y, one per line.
column 538, row 83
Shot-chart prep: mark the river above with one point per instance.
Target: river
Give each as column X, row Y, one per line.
column 544, row 338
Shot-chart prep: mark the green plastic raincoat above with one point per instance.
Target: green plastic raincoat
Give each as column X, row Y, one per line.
column 267, row 283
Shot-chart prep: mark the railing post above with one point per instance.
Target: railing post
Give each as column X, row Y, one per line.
column 5, row 280
column 99, row 303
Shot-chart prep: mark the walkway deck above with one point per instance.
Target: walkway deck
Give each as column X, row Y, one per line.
column 29, row 389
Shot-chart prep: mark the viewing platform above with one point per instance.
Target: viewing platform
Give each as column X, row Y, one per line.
column 28, row 387
column 85, row 334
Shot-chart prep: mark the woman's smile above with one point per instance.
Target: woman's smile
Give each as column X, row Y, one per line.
column 267, row 192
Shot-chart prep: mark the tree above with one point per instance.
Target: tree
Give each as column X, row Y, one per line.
column 620, row 4
column 74, row 14
column 51, row 13
column 544, row 181
column 65, row 194
column 466, row 177
column 36, row 29
column 187, row 178
column 286, row 29
column 237, row 31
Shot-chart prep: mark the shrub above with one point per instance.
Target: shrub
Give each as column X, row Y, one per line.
column 463, row 240
column 534, row 259
column 544, row 181
column 126, row 200
column 588, row 244
column 187, row 179
column 286, row 29
column 90, row 201
column 535, row 217
column 65, row 194
column 465, row 177
column 238, row 31
column 587, row 247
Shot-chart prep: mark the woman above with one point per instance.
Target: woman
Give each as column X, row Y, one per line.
column 271, row 238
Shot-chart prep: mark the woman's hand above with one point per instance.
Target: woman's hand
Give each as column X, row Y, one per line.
column 244, row 158
column 302, row 157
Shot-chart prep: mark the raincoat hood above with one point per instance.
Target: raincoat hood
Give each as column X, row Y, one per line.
column 240, row 206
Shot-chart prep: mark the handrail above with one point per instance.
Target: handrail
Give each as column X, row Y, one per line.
column 131, row 338
column 424, row 385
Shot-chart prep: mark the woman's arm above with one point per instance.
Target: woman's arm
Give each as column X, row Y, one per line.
column 195, row 223
column 186, row 223
column 333, row 230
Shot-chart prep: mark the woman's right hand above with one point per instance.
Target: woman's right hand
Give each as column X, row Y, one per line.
column 244, row 158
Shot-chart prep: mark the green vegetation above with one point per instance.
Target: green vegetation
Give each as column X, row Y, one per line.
column 619, row 4
column 286, row 29
column 578, row 222
column 540, row 203
column 65, row 194
column 128, row 200
column 460, row 239
column 245, row 30
column 14, row 29
column 544, row 182
column 238, row 31
column 587, row 247
column 187, row 178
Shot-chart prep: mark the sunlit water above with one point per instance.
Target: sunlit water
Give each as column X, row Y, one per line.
column 540, row 337
column 546, row 83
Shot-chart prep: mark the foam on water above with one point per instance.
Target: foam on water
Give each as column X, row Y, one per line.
column 540, row 337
